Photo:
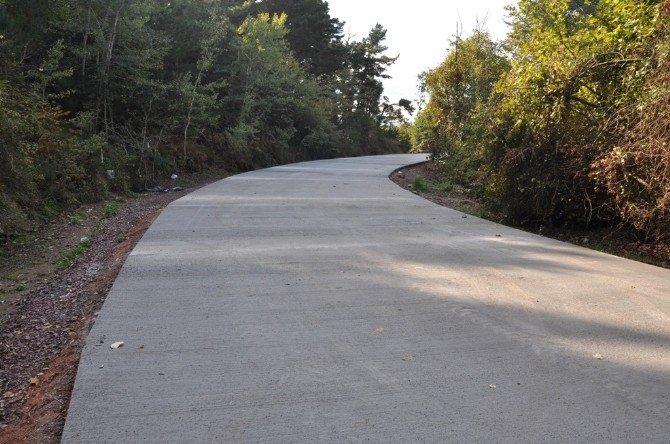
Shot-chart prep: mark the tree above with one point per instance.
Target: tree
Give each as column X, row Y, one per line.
column 635, row 171
column 393, row 113
column 280, row 103
column 574, row 64
column 453, row 126
column 368, row 64
column 313, row 35
column 201, row 97
column 152, row 86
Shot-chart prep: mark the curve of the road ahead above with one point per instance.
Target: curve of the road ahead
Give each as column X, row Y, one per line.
column 321, row 302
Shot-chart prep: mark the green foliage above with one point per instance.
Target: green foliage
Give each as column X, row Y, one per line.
column 444, row 186
column 453, row 126
column 144, row 88
column 67, row 258
column 368, row 65
column 635, row 172
column 77, row 218
column 574, row 65
column 111, row 209
column 44, row 165
column 423, row 185
column 315, row 38
column 267, row 122
column 565, row 124
column 420, row 184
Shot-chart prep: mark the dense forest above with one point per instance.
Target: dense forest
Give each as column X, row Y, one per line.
column 107, row 95
column 564, row 123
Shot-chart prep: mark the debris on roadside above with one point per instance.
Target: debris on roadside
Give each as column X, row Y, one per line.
column 160, row 189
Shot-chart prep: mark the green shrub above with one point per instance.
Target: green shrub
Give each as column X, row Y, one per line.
column 68, row 258
column 77, row 218
column 574, row 71
column 111, row 209
column 420, row 184
column 444, row 187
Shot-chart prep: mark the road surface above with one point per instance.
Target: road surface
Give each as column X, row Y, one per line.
column 321, row 302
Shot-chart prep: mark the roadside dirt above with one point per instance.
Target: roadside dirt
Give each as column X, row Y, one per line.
column 614, row 240
column 47, row 309
column 458, row 198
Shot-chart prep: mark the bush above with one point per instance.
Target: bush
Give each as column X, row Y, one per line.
column 573, row 129
column 454, row 125
column 636, row 172
column 573, row 67
column 111, row 209
column 48, row 167
column 443, row 186
column 420, row 184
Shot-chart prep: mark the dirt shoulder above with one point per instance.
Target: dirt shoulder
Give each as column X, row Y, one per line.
column 52, row 284
column 425, row 180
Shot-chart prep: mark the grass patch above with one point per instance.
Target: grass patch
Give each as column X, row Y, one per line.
column 11, row 277
column 111, row 209
column 444, row 187
column 68, row 258
column 48, row 211
column 420, row 184
column 423, row 185
column 77, row 218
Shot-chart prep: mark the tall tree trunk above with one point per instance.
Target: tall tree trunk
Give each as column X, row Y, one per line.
column 85, row 42
column 103, row 88
column 190, row 106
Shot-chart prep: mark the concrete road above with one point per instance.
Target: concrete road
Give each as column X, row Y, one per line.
column 321, row 302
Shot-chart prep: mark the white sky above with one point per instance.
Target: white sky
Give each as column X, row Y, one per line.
column 418, row 30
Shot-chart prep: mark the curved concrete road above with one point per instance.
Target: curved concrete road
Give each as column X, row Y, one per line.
column 321, row 302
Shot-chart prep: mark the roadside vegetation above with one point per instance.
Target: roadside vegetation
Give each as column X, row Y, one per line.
column 68, row 257
column 100, row 96
column 424, row 180
column 563, row 125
